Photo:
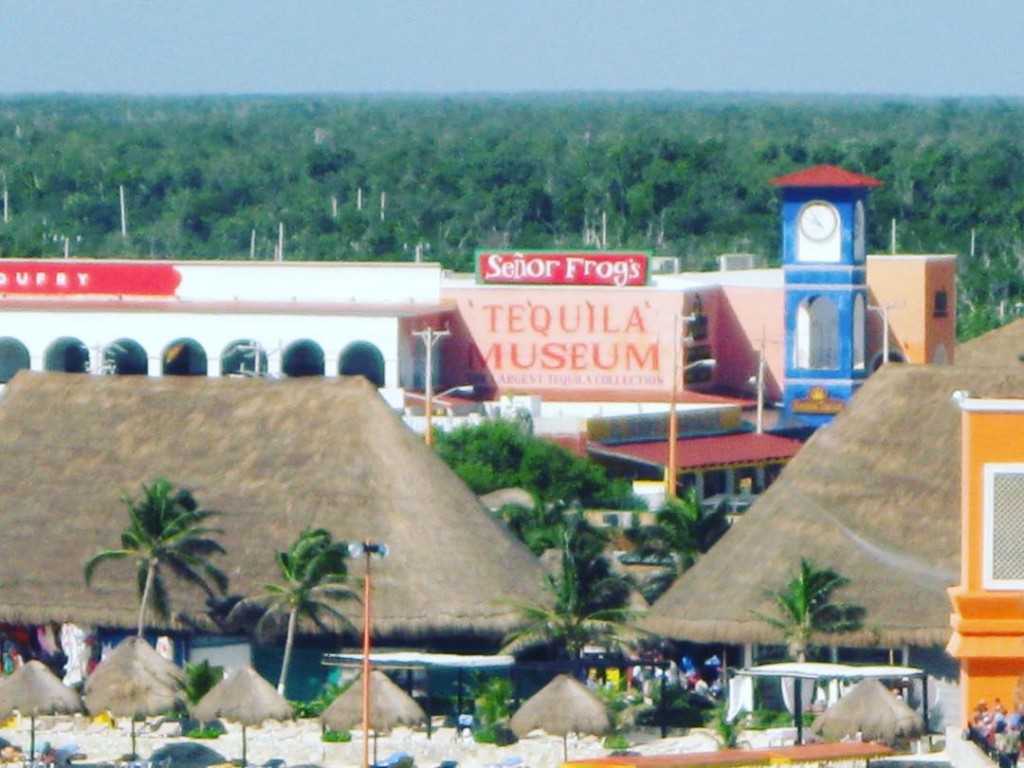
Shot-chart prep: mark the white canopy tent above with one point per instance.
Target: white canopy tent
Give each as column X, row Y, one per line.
column 821, row 671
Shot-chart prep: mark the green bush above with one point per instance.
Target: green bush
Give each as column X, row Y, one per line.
column 499, row 736
column 683, row 709
column 615, row 743
column 337, row 737
column 316, row 706
column 204, row 733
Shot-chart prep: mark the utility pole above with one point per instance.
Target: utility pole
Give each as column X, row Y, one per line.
column 429, row 337
column 124, row 217
column 760, row 387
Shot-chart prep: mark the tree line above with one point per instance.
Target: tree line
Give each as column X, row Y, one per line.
column 434, row 178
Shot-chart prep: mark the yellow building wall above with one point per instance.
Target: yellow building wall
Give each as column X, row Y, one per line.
column 906, row 286
column 988, row 624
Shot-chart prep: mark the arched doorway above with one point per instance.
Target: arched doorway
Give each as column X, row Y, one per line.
column 303, row 358
column 184, row 357
column 66, row 355
column 361, row 358
column 245, row 357
column 14, row 357
column 125, row 357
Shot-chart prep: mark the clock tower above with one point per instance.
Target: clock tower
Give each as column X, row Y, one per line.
column 823, row 260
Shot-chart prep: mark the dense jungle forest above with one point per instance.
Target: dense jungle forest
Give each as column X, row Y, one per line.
column 390, row 178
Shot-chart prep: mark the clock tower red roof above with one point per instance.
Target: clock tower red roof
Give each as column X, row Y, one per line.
column 825, row 176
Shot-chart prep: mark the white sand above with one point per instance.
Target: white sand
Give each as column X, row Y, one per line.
column 298, row 742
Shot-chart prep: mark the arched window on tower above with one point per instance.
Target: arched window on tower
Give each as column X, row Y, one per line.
column 817, row 334
column 859, row 329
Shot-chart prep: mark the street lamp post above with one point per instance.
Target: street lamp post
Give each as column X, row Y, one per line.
column 367, row 549
column 678, row 372
column 430, row 337
column 884, row 312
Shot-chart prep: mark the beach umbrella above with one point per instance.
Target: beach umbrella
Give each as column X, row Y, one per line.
column 34, row 690
column 561, row 707
column 871, row 710
column 389, row 706
column 243, row 697
column 134, row 681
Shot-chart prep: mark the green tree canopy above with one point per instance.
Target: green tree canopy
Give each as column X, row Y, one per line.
column 314, row 580
column 805, row 608
column 505, row 454
column 167, row 531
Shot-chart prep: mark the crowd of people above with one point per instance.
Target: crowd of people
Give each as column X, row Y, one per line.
column 997, row 731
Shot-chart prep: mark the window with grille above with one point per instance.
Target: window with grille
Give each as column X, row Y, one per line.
column 1004, row 527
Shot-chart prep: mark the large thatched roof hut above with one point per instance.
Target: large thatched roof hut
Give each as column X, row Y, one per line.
column 274, row 457
column 875, row 495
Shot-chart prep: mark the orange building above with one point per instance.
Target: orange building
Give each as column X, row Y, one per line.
column 988, row 603
column 913, row 298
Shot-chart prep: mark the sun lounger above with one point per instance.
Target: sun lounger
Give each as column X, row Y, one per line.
column 396, row 760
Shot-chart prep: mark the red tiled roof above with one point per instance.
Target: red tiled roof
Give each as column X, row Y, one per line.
column 825, row 176
column 737, row 449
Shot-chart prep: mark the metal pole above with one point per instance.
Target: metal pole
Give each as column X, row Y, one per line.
column 366, row 663
column 430, row 337
column 673, row 417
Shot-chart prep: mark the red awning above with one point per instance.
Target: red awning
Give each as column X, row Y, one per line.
column 734, row 450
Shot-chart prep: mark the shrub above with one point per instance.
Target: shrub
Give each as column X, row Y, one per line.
column 205, row 732
column 616, row 742
column 337, row 737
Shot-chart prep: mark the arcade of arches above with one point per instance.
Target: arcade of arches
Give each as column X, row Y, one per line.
column 186, row 357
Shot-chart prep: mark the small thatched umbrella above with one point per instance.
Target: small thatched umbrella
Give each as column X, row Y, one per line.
column 561, row 707
column 872, row 710
column 389, row 706
column 245, row 698
column 133, row 681
column 35, row 690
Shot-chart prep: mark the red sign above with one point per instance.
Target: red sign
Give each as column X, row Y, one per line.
column 82, row 278
column 552, row 268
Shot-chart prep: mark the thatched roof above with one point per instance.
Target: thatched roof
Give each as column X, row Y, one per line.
column 1001, row 348
column 389, row 706
column 871, row 712
column 875, row 495
column 245, row 697
column 274, row 457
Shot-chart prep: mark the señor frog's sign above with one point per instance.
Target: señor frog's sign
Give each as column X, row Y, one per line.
column 561, row 268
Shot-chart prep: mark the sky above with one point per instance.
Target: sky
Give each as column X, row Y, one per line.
column 927, row 48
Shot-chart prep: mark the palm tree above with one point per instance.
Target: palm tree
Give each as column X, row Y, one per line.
column 805, row 608
column 681, row 533
column 167, row 530
column 314, row 578
column 590, row 601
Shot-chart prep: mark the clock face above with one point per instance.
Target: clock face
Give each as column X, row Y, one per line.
column 819, row 221
column 858, row 231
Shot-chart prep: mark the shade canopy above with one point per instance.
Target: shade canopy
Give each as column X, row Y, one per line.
column 243, row 696
column 561, row 707
column 134, row 681
column 34, row 690
column 872, row 711
column 389, row 706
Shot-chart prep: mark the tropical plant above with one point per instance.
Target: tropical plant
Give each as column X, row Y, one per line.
column 167, row 530
column 683, row 530
column 200, row 678
column 589, row 600
column 805, row 608
column 314, row 579
column 727, row 732
column 492, row 701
